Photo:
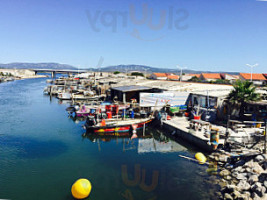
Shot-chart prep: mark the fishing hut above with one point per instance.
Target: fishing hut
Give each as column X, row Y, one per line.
column 126, row 93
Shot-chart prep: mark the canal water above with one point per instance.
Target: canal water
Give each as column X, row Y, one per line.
column 43, row 152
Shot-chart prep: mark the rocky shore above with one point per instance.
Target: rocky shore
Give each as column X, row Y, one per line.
column 242, row 177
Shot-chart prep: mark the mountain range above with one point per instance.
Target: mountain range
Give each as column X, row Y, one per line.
column 36, row 66
column 121, row 68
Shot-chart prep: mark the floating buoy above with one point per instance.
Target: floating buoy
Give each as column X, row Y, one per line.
column 201, row 158
column 81, row 188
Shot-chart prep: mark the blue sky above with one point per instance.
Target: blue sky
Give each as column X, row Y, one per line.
column 211, row 35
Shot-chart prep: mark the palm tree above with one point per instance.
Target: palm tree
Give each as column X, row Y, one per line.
column 243, row 92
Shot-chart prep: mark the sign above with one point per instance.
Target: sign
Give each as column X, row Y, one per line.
column 172, row 98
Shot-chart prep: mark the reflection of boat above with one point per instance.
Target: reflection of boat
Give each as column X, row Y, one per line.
column 117, row 126
column 77, row 119
column 150, row 141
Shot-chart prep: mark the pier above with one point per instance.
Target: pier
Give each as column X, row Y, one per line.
column 179, row 126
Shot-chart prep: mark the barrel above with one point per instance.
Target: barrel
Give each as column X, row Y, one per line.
column 132, row 114
column 108, row 107
column 197, row 117
column 109, row 114
column 92, row 110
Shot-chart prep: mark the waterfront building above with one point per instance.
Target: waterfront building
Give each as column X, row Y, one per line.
column 257, row 79
column 229, row 77
column 159, row 76
column 210, row 76
column 173, row 77
column 187, row 77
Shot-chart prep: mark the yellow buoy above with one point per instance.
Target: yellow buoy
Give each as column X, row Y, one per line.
column 201, row 158
column 81, row 188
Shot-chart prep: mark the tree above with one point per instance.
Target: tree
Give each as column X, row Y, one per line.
column 221, row 81
column 194, row 79
column 137, row 74
column 116, row 72
column 243, row 92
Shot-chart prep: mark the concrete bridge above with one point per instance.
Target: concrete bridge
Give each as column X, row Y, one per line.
column 58, row 71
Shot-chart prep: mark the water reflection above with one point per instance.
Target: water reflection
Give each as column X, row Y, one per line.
column 144, row 142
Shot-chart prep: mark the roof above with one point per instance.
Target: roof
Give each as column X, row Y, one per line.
column 130, row 88
column 265, row 75
column 160, row 74
column 173, row 77
column 211, row 76
column 247, row 76
column 217, row 93
column 197, row 75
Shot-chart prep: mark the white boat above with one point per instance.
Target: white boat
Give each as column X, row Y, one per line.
column 64, row 96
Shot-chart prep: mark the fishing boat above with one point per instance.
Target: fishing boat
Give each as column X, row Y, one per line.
column 64, row 96
column 84, row 111
column 88, row 98
column 114, row 125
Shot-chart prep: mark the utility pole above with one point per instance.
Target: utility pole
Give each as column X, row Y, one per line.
column 265, row 136
column 145, row 72
column 181, row 72
column 251, row 69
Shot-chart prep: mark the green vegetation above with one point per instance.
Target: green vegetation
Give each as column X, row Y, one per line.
column 116, row 72
column 243, row 92
column 4, row 74
column 137, row 74
column 222, row 81
column 194, row 79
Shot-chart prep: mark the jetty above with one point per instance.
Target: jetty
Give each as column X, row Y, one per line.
column 180, row 126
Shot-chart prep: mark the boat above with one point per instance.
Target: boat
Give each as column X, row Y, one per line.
column 88, row 98
column 115, row 125
column 83, row 111
column 64, row 96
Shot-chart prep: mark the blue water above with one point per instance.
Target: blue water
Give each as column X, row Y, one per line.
column 42, row 153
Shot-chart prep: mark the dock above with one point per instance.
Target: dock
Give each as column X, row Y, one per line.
column 180, row 126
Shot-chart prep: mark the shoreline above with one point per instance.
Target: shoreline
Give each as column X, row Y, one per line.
column 11, row 78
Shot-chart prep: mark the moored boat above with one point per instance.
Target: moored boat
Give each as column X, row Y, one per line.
column 115, row 126
column 64, row 96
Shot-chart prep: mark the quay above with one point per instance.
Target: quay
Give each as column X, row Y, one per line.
column 179, row 126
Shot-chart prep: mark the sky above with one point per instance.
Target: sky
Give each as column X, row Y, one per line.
column 215, row 35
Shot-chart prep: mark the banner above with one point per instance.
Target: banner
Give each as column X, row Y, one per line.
column 172, row 98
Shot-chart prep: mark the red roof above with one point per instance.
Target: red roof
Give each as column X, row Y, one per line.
column 197, row 75
column 160, row 74
column 173, row 77
column 211, row 76
column 247, row 76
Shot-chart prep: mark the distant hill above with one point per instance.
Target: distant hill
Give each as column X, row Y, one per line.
column 148, row 69
column 121, row 68
column 37, row 66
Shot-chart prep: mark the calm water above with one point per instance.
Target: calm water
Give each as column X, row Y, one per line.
column 42, row 152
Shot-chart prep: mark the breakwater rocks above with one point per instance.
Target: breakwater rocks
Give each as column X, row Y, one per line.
column 242, row 177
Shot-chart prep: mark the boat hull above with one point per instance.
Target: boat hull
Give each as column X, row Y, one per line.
column 82, row 114
column 106, row 130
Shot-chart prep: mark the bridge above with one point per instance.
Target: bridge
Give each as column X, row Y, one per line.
column 58, row 71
